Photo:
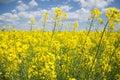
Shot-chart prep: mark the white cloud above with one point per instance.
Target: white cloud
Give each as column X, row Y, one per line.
column 14, row 11
column 94, row 3
column 104, row 10
column 30, row 14
column 21, row 12
column 81, row 15
column 65, row 7
column 19, row 2
column 86, row 6
column 9, row 17
column 21, row 6
column 24, row 14
column 33, row 3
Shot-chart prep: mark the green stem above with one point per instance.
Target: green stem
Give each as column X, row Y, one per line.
column 44, row 25
column 90, row 26
column 116, row 47
column 31, row 27
column 99, row 44
column 53, row 31
column 88, row 33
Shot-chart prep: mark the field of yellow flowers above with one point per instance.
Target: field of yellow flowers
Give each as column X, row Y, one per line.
column 62, row 55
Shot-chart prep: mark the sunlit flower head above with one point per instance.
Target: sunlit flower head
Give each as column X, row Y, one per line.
column 45, row 14
column 113, row 16
column 65, row 16
column 100, row 20
column 58, row 10
column 95, row 12
column 76, row 24
column 3, row 27
column 32, row 21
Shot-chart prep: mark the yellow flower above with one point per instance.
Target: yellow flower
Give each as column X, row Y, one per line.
column 117, row 76
column 45, row 14
column 0, row 73
column 10, row 27
column 112, row 27
column 112, row 13
column 100, row 20
column 58, row 11
column 32, row 20
column 76, row 24
column 4, row 27
column 65, row 16
column 72, row 79
column 113, row 16
column 59, row 24
column 95, row 12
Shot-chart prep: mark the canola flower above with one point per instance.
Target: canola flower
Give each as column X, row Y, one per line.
column 58, row 12
column 31, row 57
column 110, row 14
column 32, row 22
column 28, row 55
column 44, row 21
column 3, row 28
column 45, row 15
column 65, row 16
column 95, row 16
column 76, row 24
column 95, row 13
column 72, row 79
column 59, row 16
column 113, row 16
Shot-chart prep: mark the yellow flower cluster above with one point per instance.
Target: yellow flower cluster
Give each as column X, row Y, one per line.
column 113, row 16
column 65, row 55
column 44, row 20
column 58, row 13
column 45, row 15
column 95, row 13
column 59, row 16
column 32, row 21
column 76, row 24
column 30, row 55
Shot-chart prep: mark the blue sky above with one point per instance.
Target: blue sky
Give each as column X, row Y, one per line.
column 18, row 12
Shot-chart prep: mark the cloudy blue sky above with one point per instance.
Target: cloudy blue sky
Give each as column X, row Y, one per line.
column 18, row 12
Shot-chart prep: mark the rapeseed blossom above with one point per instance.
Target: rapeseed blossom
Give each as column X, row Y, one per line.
column 45, row 15
column 32, row 21
column 95, row 12
column 68, row 55
column 76, row 24
column 113, row 16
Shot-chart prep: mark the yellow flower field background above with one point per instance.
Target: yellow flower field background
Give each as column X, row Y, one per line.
column 62, row 55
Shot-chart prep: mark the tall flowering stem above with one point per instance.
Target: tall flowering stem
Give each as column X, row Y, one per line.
column 32, row 22
column 59, row 16
column 95, row 14
column 113, row 15
column 45, row 17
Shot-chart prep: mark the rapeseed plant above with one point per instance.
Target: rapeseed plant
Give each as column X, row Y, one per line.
column 44, row 21
column 32, row 22
column 65, row 55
